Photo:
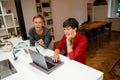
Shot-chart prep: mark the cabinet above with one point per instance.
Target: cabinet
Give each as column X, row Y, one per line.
column 43, row 7
column 7, row 23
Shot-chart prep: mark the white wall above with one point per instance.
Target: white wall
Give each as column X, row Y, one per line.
column 29, row 10
column 100, row 13
column 63, row 9
column 115, row 24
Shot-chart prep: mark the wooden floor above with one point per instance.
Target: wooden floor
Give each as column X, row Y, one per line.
column 104, row 58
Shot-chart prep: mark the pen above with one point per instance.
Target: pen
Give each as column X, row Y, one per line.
column 37, row 50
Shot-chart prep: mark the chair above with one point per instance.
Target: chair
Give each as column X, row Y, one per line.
column 88, row 34
column 107, row 30
column 62, row 51
column 91, row 35
column 100, row 32
column 95, row 37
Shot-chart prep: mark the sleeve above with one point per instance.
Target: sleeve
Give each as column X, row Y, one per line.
column 32, row 41
column 80, row 48
column 48, row 39
column 62, row 43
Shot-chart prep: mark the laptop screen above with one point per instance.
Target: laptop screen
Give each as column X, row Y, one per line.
column 43, row 63
column 38, row 58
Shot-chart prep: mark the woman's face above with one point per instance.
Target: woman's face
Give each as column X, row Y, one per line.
column 69, row 30
column 38, row 23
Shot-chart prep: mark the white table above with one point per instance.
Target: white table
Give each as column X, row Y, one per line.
column 70, row 70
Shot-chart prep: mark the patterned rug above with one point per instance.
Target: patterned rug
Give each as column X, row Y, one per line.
column 116, row 69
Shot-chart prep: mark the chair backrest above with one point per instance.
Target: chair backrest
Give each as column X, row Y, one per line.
column 108, row 25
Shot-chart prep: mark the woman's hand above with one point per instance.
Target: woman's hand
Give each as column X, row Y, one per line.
column 56, row 57
column 41, row 42
column 71, row 36
column 69, row 41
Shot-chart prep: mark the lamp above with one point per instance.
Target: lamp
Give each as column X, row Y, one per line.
column 18, row 46
column 100, row 2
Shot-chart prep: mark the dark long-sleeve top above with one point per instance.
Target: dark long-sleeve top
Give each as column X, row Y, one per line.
column 79, row 47
column 33, row 36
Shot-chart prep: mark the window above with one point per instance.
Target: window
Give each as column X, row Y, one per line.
column 114, row 8
column 117, row 7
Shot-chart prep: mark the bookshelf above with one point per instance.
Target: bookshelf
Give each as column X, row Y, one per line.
column 43, row 7
column 7, row 23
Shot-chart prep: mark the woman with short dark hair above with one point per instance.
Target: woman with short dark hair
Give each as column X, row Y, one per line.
column 73, row 41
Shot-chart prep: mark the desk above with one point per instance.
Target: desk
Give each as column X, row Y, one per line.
column 93, row 24
column 95, row 32
column 70, row 70
column 97, row 24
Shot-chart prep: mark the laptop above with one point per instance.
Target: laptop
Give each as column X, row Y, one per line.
column 43, row 63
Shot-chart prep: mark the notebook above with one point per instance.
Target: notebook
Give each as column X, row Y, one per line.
column 43, row 63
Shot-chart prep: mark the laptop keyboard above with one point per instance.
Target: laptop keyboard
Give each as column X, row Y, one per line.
column 49, row 65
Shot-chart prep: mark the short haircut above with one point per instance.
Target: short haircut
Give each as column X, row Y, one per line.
column 39, row 16
column 71, row 22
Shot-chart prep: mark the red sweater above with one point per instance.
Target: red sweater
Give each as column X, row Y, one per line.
column 79, row 47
